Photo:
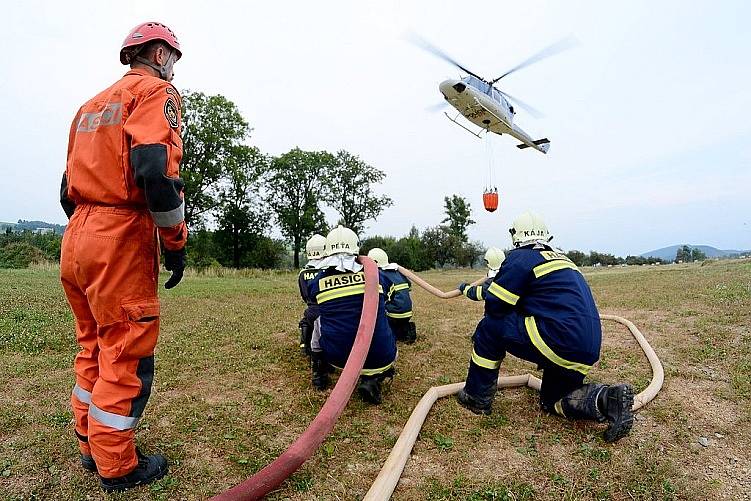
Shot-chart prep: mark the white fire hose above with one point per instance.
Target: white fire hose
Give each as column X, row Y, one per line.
column 385, row 483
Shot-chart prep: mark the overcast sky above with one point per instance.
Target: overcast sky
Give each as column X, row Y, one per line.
column 649, row 117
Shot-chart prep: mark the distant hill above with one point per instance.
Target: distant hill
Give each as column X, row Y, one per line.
column 668, row 253
column 23, row 225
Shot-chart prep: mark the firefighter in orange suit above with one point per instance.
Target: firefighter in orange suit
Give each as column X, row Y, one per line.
column 122, row 192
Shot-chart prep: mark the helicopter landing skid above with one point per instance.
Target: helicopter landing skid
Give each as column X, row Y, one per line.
column 476, row 134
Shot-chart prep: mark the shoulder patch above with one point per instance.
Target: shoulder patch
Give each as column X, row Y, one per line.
column 170, row 113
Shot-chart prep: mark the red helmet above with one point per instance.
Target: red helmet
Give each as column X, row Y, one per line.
column 146, row 32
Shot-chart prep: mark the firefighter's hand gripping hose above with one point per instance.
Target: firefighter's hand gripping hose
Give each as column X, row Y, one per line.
column 282, row 467
column 385, row 483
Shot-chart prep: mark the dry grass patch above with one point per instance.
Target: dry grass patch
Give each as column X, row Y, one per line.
column 232, row 391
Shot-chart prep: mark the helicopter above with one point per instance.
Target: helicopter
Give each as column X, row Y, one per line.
column 479, row 101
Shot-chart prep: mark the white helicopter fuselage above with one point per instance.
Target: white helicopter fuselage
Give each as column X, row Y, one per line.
column 485, row 107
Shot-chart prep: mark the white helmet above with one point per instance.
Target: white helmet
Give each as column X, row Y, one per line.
column 529, row 228
column 342, row 240
column 379, row 256
column 315, row 246
column 494, row 258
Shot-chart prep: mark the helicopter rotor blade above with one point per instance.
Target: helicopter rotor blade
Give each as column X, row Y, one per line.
column 420, row 42
column 561, row 45
column 526, row 107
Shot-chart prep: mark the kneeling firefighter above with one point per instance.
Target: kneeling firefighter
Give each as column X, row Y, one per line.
column 314, row 249
column 398, row 300
column 339, row 289
column 540, row 308
column 493, row 259
column 123, row 195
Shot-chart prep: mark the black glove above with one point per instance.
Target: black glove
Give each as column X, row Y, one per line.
column 461, row 287
column 174, row 261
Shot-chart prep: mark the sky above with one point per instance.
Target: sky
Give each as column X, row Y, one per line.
column 648, row 115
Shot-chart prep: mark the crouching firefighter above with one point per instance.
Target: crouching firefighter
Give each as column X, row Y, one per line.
column 123, row 195
column 493, row 259
column 314, row 249
column 539, row 308
column 339, row 290
column 398, row 300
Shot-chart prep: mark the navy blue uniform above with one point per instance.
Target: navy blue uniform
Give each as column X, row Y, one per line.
column 340, row 296
column 539, row 308
column 398, row 300
column 304, row 279
column 399, row 306
column 477, row 292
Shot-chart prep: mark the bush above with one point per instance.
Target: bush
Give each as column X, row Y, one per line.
column 19, row 255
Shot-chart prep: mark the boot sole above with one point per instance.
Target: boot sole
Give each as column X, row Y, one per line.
column 620, row 429
column 131, row 485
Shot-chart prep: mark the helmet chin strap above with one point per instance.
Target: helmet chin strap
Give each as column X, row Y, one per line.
column 164, row 70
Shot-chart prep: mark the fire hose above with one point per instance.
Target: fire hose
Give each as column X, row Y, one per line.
column 385, row 483
column 303, row 448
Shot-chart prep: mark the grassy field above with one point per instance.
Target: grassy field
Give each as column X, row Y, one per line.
column 232, row 391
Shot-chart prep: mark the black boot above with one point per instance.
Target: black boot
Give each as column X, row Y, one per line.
column 149, row 469
column 479, row 391
column 320, row 371
column 370, row 389
column 411, row 335
column 478, row 406
column 602, row 403
column 615, row 403
column 88, row 463
column 306, row 333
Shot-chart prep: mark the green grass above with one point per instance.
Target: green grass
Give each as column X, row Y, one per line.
column 232, row 392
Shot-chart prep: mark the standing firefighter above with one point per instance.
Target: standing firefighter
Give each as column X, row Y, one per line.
column 123, row 196
column 494, row 258
column 339, row 289
column 314, row 249
column 540, row 308
column 398, row 300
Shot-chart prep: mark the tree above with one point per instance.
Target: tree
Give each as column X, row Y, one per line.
column 458, row 212
column 683, row 254
column 212, row 130
column 410, row 252
column 438, row 245
column 242, row 219
column 348, row 190
column 697, row 254
column 578, row 257
column 295, row 181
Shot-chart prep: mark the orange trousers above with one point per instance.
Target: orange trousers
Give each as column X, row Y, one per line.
column 109, row 266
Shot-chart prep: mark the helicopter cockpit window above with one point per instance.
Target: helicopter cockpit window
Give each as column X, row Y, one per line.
column 477, row 84
column 496, row 96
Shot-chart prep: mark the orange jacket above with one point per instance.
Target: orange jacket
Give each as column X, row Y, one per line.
column 125, row 149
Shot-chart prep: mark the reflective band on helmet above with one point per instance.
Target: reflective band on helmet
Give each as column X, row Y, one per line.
column 81, row 394
column 552, row 266
column 350, row 290
column 485, row 362
column 406, row 314
column 534, row 336
column 503, row 294
column 169, row 218
column 112, row 420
